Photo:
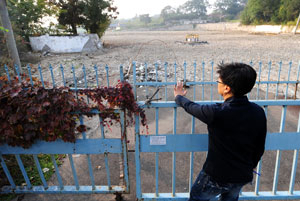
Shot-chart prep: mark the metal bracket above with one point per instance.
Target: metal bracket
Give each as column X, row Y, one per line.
column 148, row 101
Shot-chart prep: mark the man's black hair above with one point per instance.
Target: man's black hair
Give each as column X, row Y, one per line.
column 239, row 77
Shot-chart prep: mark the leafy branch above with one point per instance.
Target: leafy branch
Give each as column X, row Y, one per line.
column 29, row 113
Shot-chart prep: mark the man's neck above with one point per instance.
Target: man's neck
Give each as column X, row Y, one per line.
column 226, row 96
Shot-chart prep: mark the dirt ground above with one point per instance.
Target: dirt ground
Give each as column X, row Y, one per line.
column 124, row 47
column 158, row 47
column 167, row 46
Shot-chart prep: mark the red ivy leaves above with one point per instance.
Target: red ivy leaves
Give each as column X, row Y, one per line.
column 31, row 112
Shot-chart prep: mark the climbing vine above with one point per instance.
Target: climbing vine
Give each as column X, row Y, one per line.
column 32, row 112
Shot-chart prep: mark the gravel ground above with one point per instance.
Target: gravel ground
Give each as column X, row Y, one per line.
column 152, row 47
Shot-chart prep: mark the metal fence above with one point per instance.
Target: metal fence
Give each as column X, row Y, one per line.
column 172, row 132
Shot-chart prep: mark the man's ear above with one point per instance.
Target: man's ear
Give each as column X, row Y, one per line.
column 227, row 89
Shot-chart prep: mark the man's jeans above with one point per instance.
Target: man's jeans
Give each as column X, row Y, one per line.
column 205, row 188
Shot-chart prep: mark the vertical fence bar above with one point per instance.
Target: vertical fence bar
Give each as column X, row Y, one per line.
column 156, row 154
column 184, row 75
column 7, row 173
column 73, row 171
column 7, row 72
column 24, row 173
column 294, row 170
column 174, row 156
column 278, row 156
column 88, row 157
column 258, row 84
column 57, row 172
column 74, row 78
column 277, row 85
column 105, row 154
column 269, row 72
column 35, row 156
column 146, row 78
column 251, row 64
column 107, row 75
column 91, row 172
column 18, row 73
column 124, row 139
column 85, row 81
column 203, row 75
column 137, row 158
column 82, row 123
column 212, row 79
column 96, row 71
column 62, row 74
column 134, row 80
column 156, row 72
column 41, row 75
column 193, row 132
column 287, row 85
column 121, row 73
column 37, row 163
column 29, row 73
column 166, row 80
column 84, row 76
column 156, row 133
column 175, row 72
column 194, row 87
column 257, row 181
column 295, row 161
column 107, row 170
column 296, row 87
column 52, row 75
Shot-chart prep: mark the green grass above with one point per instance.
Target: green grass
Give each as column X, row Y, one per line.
column 31, row 169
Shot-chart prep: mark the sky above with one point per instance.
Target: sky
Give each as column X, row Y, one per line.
column 131, row 8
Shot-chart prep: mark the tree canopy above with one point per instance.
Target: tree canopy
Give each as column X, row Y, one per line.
column 229, row 9
column 94, row 15
column 26, row 16
column 270, row 11
column 192, row 9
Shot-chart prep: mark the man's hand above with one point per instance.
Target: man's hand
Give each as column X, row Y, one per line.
column 178, row 90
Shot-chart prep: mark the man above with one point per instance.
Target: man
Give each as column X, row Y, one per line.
column 237, row 132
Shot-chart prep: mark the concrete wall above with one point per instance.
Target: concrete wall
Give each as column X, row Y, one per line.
column 66, row 44
column 276, row 29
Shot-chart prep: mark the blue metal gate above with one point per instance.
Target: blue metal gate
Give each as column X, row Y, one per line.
column 277, row 94
column 152, row 90
column 85, row 145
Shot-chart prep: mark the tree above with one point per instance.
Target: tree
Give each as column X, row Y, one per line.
column 167, row 13
column 229, row 9
column 71, row 13
column 97, row 14
column 145, row 18
column 11, row 43
column 261, row 11
column 194, row 9
column 289, row 10
column 27, row 15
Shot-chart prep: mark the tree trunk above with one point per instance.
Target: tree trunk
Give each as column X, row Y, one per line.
column 297, row 24
column 10, row 40
column 74, row 29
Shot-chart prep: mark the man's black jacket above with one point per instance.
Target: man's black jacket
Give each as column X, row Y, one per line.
column 237, row 132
